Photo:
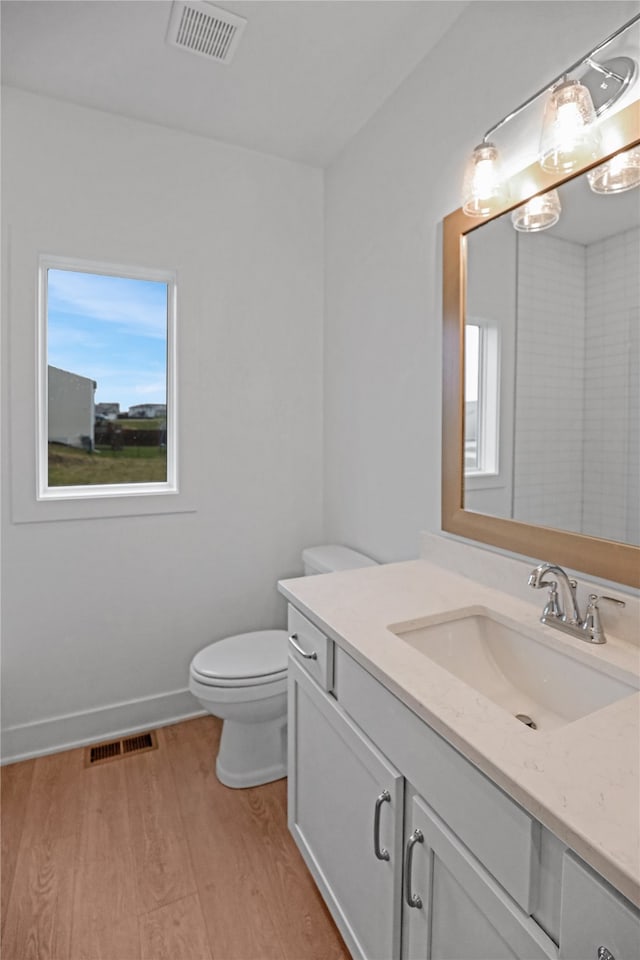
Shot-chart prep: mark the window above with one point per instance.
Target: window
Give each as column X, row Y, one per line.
column 481, row 395
column 106, row 380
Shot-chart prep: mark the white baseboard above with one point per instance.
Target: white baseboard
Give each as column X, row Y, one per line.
column 105, row 723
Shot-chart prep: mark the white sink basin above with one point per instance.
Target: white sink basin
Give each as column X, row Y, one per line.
column 515, row 669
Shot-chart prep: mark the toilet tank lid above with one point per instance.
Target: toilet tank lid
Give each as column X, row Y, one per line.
column 333, row 557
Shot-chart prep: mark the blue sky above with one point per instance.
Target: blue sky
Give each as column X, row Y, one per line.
column 112, row 330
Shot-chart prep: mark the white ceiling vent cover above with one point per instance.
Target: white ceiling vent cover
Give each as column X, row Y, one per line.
column 199, row 27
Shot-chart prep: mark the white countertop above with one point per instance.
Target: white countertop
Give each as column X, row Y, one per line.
column 581, row 780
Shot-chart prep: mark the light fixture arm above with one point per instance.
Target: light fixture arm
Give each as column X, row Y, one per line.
column 602, row 68
column 561, row 76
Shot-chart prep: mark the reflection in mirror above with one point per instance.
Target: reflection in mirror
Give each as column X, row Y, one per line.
column 565, row 307
column 482, row 390
column 105, row 378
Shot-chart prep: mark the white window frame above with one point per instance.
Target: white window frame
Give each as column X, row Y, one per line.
column 488, row 409
column 100, row 491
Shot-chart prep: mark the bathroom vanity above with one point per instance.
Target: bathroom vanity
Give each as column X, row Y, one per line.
column 435, row 823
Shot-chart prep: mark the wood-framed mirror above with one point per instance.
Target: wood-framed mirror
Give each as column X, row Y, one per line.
column 513, row 451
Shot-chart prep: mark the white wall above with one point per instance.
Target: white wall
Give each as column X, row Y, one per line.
column 385, row 198
column 105, row 611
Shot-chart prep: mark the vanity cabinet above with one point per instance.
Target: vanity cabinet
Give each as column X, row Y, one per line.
column 345, row 811
column 418, row 854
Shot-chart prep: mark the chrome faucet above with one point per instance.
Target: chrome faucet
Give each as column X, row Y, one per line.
column 566, row 616
column 537, row 581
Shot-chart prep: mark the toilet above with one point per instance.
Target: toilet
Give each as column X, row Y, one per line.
column 243, row 680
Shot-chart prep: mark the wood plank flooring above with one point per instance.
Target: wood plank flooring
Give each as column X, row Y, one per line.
column 151, row 858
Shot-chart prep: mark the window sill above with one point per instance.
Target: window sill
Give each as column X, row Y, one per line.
column 100, row 508
column 103, row 492
column 484, row 481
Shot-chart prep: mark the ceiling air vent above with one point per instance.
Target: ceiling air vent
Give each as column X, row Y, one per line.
column 199, row 27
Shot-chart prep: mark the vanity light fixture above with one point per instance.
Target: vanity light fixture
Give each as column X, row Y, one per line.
column 484, row 190
column 539, row 213
column 620, row 173
column 570, row 137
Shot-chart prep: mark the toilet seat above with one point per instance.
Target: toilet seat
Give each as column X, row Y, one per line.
column 243, row 660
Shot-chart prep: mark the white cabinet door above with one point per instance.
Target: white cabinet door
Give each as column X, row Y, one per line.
column 454, row 909
column 345, row 813
column 596, row 923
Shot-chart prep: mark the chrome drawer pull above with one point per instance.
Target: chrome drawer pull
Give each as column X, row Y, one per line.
column 413, row 900
column 307, row 656
column 380, row 852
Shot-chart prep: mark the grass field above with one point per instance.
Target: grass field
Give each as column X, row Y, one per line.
column 146, row 423
column 69, row 467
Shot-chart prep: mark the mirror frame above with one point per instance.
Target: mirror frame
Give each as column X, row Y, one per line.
column 608, row 559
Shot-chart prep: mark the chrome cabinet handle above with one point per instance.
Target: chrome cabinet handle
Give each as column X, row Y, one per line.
column 380, row 852
column 603, row 953
column 413, row 900
column 307, row 656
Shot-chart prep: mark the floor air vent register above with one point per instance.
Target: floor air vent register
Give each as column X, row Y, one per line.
column 117, row 749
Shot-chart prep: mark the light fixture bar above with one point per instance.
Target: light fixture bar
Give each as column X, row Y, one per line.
column 574, row 66
column 602, row 68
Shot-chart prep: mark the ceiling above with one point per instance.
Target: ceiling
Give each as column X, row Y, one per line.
column 306, row 76
column 588, row 217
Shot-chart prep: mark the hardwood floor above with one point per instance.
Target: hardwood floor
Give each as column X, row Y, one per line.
column 151, row 858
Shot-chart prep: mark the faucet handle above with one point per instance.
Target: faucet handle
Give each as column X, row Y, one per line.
column 552, row 606
column 592, row 624
column 594, row 600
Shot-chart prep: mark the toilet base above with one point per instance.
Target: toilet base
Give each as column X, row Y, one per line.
column 252, row 753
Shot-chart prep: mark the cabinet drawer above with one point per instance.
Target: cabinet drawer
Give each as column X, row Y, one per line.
column 310, row 648
column 594, row 915
column 495, row 828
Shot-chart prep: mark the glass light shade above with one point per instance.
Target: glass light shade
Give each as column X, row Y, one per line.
column 537, row 214
column 618, row 174
column 483, row 191
column 569, row 139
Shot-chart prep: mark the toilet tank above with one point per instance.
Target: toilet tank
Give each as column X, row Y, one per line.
column 333, row 557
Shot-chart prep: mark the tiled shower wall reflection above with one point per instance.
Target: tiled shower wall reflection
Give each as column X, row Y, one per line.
column 576, row 462
column 611, row 450
column 549, row 382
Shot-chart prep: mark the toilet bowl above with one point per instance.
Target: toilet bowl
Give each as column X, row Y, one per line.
column 243, row 680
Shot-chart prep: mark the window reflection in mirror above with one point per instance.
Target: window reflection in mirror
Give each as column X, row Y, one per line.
column 482, row 387
column 567, row 301
column 105, row 407
column 472, row 376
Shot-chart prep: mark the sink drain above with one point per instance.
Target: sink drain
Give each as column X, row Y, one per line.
column 528, row 722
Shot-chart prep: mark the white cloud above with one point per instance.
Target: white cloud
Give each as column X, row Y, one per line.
column 109, row 299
